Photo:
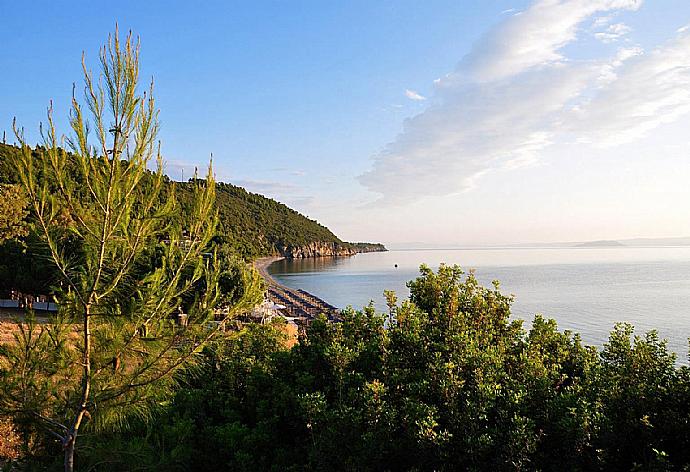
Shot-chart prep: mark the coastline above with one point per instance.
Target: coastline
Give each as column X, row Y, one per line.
column 261, row 265
column 297, row 304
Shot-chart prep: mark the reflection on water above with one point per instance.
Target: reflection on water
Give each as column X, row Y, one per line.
column 586, row 290
column 315, row 264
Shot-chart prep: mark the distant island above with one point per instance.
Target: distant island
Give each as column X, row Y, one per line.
column 637, row 242
column 656, row 242
column 602, row 243
column 632, row 242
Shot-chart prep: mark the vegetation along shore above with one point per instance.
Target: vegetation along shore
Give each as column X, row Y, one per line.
column 168, row 350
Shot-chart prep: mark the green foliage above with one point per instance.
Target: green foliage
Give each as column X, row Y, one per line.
column 249, row 225
column 221, row 420
column 450, row 382
column 446, row 380
column 25, row 266
column 124, row 264
column 253, row 225
column 13, row 204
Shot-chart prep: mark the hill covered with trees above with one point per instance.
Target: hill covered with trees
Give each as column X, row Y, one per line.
column 250, row 224
column 254, row 225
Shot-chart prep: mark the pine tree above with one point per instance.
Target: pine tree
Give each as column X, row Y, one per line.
column 129, row 263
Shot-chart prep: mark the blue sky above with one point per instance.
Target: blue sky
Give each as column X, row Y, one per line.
column 545, row 122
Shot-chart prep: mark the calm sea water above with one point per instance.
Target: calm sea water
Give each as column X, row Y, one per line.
column 586, row 290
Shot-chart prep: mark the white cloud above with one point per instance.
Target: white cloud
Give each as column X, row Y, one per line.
column 613, row 33
column 412, row 95
column 602, row 21
column 472, row 129
column 533, row 38
column 609, row 71
column 650, row 90
column 516, row 94
column 626, row 53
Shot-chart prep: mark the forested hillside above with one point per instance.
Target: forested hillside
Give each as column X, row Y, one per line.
column 251, row 224
column 255, row 225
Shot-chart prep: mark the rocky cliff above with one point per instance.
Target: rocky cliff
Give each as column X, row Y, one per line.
column 329, row 249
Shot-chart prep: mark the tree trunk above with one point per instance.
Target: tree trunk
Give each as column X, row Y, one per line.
column 69, row 456
column 71, row 438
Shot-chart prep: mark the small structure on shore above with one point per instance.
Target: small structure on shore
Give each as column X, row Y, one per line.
column 19, row 300
column 266, row 311
column 298, row 307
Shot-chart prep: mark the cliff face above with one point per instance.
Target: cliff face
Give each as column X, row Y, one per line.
column 329, row 249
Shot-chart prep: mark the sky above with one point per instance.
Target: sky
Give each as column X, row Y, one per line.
column 473, row 122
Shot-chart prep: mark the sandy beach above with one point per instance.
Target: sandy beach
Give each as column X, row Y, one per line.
column 261, row 265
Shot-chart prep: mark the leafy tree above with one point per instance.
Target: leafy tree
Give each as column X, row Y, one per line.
column 450, row 382
column 13, row 206
column 24, row 266
column 644, row 422
column 125, row 262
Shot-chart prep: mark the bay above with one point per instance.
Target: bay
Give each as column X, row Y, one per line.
column 586, row 290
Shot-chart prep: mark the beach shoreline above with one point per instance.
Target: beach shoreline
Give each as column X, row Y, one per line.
column 261, row 265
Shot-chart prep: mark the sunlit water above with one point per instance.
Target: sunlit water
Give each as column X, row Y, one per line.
column 586, row 290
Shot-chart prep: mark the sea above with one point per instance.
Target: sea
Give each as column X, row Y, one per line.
column 585, row 289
